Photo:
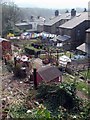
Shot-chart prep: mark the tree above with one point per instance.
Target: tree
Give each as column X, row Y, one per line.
column 10, row 16
column 56, row 13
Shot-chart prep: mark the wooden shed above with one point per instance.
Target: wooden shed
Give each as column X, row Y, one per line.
column 5, row 46
column 47, row 74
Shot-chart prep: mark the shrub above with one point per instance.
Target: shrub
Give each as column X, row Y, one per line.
column 10, row 65
column 59, row 95
column 17, row 70
column 60, row 103
column 19, row 111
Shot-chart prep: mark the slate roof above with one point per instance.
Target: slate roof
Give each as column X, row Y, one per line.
column 28, row 23
column 63, row 38
column 54, row 20
column 75, row 21
column 22, row 24
column 49, row 73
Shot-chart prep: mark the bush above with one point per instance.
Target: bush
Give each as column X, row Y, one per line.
column 10, row 65
column 17, row 70
column 60, row 103
column 58, row 95
column 20, row 111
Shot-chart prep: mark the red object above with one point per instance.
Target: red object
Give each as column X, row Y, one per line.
column 6, row 46
column 56, row 80
column 48, row 74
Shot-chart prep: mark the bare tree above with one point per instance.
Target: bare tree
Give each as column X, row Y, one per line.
column 10, row 16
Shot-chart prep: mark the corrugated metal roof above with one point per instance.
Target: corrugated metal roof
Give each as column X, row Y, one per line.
column 58, row 18
column 75, row 21
column 49, row 73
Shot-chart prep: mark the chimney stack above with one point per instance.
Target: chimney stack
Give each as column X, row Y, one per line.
column 73, row 12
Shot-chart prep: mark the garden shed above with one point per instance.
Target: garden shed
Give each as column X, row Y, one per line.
column 48, row 74
column 5, row 46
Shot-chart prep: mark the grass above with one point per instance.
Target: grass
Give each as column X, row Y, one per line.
column 69, row 53
column 60, row 54
column 81, row 85
column 86, row 74
column 25, row 42
column 32, row 48
column 68, row 79
column 42, row 56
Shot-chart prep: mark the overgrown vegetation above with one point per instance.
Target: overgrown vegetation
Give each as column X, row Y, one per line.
column 55, row 102
column 11, row 15
column 82, row 86
column 59, row 95
column 86, row 74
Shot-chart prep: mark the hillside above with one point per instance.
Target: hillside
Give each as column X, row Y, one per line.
column 47, row 13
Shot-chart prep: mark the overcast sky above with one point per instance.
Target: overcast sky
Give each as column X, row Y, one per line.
column 52, row 3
